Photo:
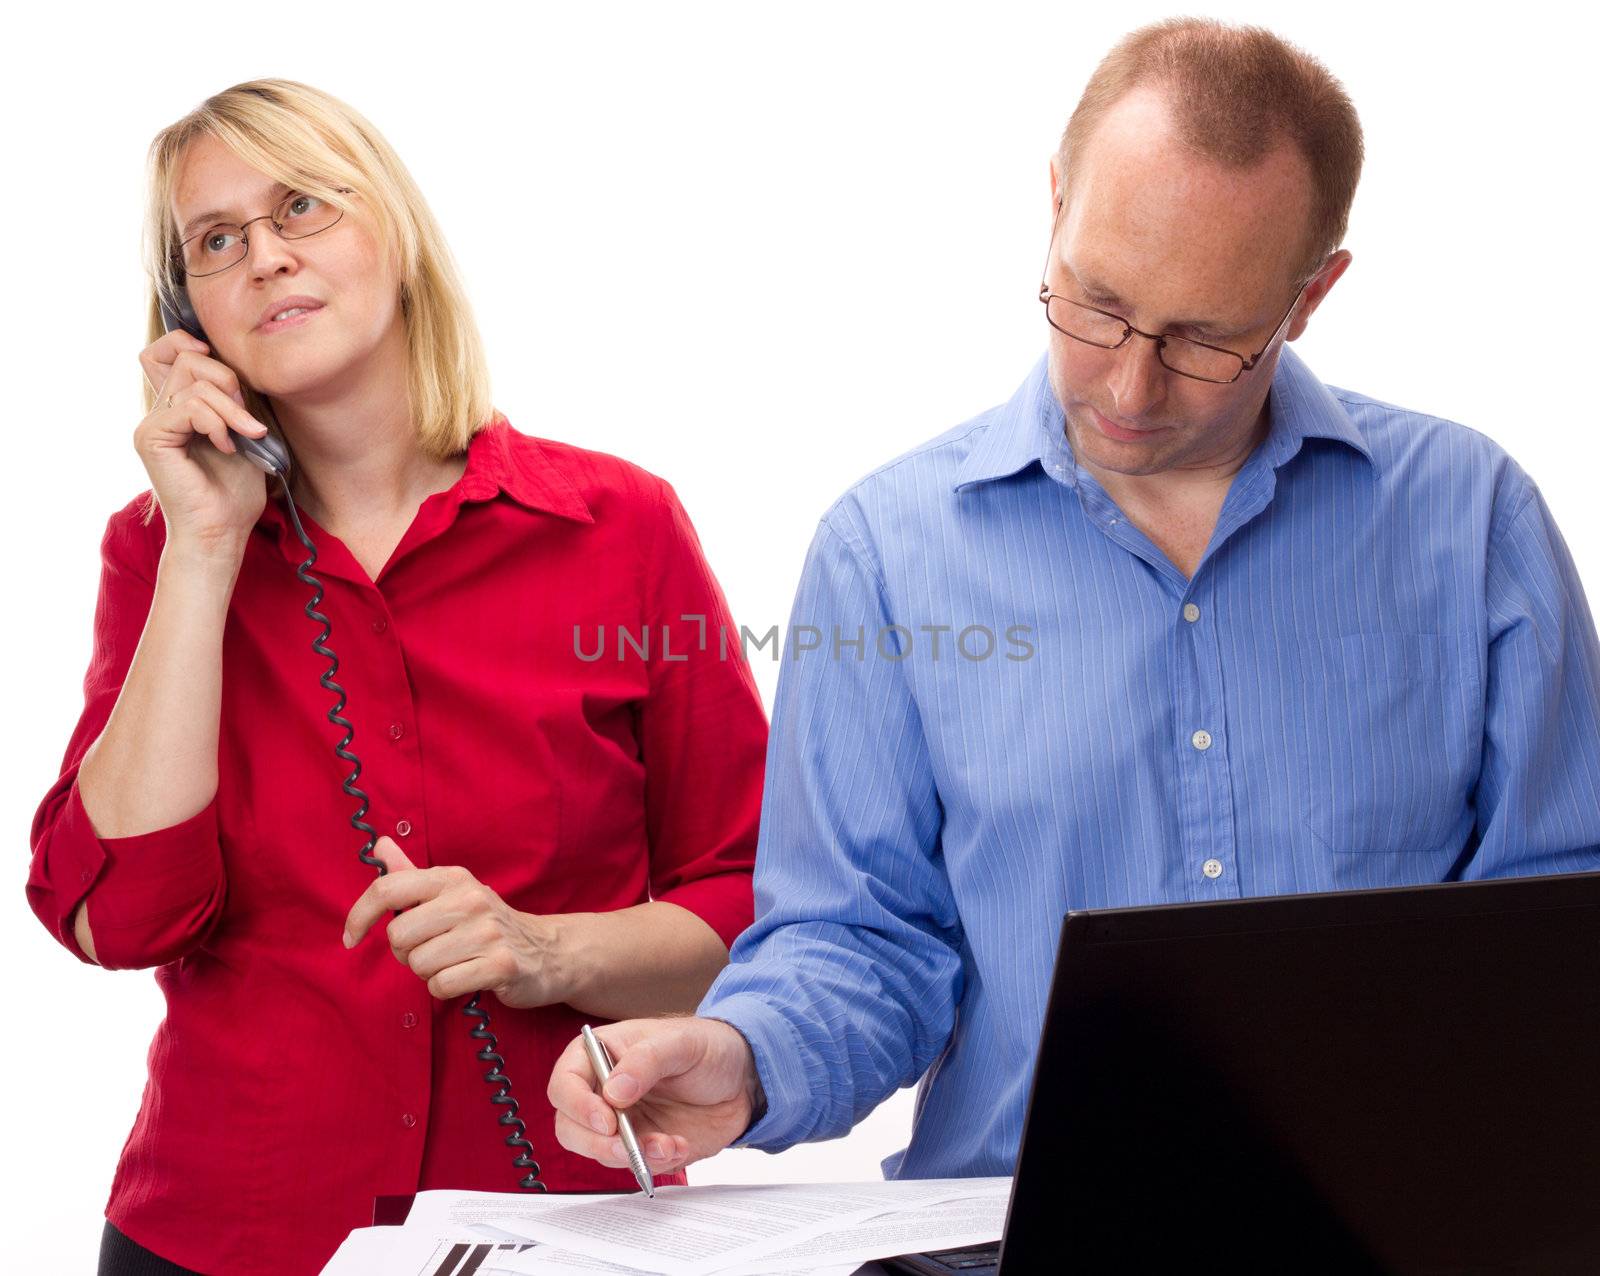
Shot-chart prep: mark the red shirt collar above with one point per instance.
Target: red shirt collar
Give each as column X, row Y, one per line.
column 499, row 459
column 502, row 459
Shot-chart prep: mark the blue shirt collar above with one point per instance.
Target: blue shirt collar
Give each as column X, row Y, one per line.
column 1031, row 428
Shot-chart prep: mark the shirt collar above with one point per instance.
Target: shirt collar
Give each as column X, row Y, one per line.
column 1022, row 432
column 500, row 459
column 1303, row 408
column 1031, row 428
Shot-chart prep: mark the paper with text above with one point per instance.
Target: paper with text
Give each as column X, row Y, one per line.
column 699, row 1231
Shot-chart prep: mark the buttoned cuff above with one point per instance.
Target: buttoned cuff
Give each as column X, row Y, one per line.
column 791, row 1076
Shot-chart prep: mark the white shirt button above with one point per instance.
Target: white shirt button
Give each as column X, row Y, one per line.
column 1191, row 613
column 1212, row 868
column 1201, row 739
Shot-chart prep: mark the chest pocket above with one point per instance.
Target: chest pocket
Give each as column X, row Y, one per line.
column 1388, row 750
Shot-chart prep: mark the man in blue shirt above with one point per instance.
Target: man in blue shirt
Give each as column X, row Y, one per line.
column 1177, row 622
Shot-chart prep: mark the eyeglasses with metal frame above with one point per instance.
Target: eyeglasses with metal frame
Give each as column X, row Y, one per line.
column 288, row 223
column 1197, row 354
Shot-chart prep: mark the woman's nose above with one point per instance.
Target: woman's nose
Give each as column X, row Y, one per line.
column 266, row 252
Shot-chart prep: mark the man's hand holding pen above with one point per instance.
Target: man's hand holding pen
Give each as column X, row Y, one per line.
column 688, row 1085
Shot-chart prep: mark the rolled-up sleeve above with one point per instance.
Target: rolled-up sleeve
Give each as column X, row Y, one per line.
column 702, row 733
column 1538, row 793
column 847, row 983
column 155, row 895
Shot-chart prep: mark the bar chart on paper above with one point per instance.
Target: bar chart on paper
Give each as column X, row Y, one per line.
column 462, row 1258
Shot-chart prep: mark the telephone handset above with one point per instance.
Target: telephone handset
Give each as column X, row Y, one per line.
column 269, row 453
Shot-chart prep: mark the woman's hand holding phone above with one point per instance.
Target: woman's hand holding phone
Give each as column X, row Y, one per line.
column 211, row 495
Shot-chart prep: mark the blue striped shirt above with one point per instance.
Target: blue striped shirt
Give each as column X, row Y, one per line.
column 1382, row 672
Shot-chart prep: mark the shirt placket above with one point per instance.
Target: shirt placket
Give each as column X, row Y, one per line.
column 407, row 1027
column 1208, row 844
column 1211, row 868
column 385, row 739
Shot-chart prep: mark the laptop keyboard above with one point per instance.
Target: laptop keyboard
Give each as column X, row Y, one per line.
column 970, row 1262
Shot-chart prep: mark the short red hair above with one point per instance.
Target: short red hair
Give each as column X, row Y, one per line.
column 1235, row 93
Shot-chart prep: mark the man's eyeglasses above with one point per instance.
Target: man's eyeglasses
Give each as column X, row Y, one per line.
column 224, row 244
column 1183, row 355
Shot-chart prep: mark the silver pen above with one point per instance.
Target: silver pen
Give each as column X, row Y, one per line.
column 600, row 1061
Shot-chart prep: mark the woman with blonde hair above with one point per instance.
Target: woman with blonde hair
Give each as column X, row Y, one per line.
column 241, row 808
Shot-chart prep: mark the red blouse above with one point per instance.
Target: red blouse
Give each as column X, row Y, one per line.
column 293, row 1080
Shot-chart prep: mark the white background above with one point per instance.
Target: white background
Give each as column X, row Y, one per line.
column 757, row 249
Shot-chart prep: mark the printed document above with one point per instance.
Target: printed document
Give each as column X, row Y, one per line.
column 806, row 1229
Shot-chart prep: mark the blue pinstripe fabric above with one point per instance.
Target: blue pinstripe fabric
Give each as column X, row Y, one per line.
column 1392, row 658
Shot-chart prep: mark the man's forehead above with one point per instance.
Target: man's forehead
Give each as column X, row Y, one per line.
column 1215, row 301
column 1114, row 255
column 1138, row 187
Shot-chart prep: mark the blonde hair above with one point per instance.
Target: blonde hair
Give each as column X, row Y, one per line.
column 1235, row 92
column 317, row 145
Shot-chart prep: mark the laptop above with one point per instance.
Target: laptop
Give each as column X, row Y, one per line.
column 1403, row 1080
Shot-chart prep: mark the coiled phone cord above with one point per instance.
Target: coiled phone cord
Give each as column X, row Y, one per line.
column 490, row 1054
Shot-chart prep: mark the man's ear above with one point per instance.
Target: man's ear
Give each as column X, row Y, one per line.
column 1055, row 181
column 1319, row 287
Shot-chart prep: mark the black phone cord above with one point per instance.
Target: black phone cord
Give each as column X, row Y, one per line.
column 495, row 1076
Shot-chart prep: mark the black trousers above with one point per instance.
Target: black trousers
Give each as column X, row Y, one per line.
column 120, row 1256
